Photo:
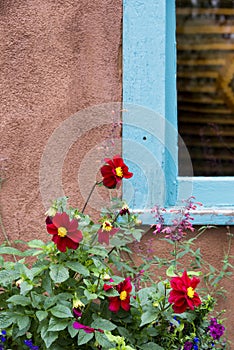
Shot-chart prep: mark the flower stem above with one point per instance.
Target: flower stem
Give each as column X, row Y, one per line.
column 90, row 194
column 3, row 227
column 175, row 255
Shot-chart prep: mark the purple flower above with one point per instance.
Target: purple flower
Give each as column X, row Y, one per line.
column 29, row 343
column 77, row 312
column 3, row 338
column 188, row 345
column 87, row 329
column 216, row 329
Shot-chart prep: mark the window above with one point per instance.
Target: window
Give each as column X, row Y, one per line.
column 151, row 141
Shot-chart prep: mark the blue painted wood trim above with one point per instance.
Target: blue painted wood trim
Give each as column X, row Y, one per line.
column 144, row 23
column 211, row 191
column 150, row 121
column 144, row 45
column 171, row 134
column 202, row 216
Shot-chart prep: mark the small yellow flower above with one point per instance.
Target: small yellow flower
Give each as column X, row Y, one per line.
column 77, row 304
column 107, row 226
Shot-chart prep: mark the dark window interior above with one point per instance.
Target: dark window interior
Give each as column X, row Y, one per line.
column 205, row 84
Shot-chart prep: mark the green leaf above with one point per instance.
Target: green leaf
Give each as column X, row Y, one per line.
column 56, row 324
column 148, row 317
column 161, row 289
column 36, row 243
column 84, row 338
column 1, row 261
column 72, row 331
column 98, row 264
column 117, row 280
column 190, row 317
column 151, row 346
column 194, row 273
column 25, row 287
column 41, row 315
column 103, row 324
column 49, row 338
column 99, row 251
column 11, row 251
column 103, row 340
column 47, row 283
column 125, row 333
column 58, row 273
column 23, row 321
column 37, row 299
column 6, row 277
column 50, row 301
column 152, row 331
column 24, row 271
column 171, row 271
column 90, row 296
column 61, row 311
column 137, row 235
column 77, row 267
column 19, row 300
column 144, row 294
column 6, row 319
column 110, row 293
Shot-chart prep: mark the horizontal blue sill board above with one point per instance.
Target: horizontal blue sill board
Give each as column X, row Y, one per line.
column 213, row 216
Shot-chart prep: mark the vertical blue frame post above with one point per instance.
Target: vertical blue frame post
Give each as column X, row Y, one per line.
column 148, row 85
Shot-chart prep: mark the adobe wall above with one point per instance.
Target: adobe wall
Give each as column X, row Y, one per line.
column 58, row 58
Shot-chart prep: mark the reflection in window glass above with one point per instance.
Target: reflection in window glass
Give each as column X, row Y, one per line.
column 205, row 84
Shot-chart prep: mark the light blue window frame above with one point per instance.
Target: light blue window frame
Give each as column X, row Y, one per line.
column 150, row 138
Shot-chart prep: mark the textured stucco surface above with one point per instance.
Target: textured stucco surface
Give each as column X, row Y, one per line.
column 57, row 58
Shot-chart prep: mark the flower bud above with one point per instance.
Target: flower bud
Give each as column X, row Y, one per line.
column 138, row 222
column 106, row 277
column 51, row 212
column 18, row 283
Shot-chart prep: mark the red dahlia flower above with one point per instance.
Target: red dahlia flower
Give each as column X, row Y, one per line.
column 183, row 295
column 65, row 232
column 105, row 232
column 123, row 299
column 114, row 171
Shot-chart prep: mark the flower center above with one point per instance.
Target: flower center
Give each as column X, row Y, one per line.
column 62, row 231
column 119, row 171
column 190, row 292
column 106, row 226
column 123, row 295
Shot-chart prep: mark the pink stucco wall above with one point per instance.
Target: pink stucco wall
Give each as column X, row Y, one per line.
column 58, row 58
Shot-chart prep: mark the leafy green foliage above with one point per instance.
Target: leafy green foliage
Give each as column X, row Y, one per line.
column 38, row 299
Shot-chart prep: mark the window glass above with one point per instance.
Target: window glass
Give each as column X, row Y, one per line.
column 205, row 84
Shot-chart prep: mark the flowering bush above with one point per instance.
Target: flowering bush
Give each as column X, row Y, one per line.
column 78, row 292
